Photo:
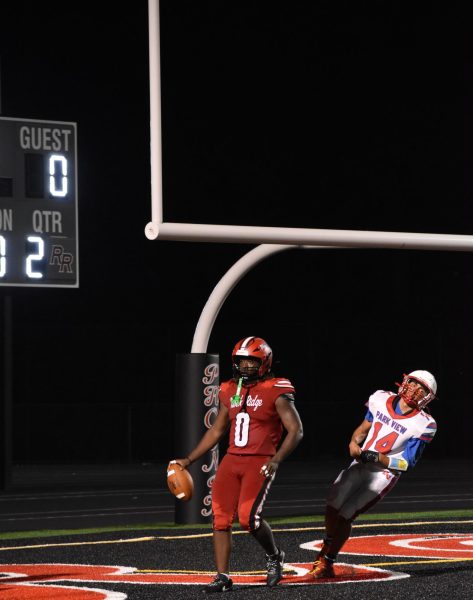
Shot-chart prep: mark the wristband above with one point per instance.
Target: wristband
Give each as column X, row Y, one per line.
column 367, row 456
column 398, row 464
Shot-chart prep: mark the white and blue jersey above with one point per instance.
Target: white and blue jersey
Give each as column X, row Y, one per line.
column 362, row 485
column 395, row 434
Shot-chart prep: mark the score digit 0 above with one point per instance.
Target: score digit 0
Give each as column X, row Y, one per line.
column 58, row 162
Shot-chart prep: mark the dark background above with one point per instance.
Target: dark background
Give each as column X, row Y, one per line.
column 297, row 114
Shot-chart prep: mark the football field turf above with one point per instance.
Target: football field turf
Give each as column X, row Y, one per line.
column 421, row 555
column 102, row 533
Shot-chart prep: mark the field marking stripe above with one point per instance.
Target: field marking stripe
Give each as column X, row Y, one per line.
column 194, row 572
column 418, row 562
column 179, row 571
column 203, row 535
column 381, row 564
column 36, row 546
column 321, row 528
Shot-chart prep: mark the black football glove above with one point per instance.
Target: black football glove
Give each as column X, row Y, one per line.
column 367, row 456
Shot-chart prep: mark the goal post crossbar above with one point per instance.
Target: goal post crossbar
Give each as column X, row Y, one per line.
column 236, row 234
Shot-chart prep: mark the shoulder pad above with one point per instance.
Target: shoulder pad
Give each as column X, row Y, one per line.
column 281, row 382
column 381, row 395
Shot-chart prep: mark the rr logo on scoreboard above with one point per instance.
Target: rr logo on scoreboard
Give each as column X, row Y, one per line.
column 61, row 258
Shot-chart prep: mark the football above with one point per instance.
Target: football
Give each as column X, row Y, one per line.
column 180, row 481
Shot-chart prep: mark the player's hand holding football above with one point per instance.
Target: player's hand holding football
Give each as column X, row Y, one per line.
column 180, row 482
column 269, row 468
column 183, row 462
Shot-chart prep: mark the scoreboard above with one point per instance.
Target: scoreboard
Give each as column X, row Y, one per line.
column 38, row 203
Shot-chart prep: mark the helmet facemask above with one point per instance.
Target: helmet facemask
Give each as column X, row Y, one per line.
column 247, row 373
column 414, row 396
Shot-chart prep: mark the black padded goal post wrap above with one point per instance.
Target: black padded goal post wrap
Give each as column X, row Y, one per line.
column 197, row 383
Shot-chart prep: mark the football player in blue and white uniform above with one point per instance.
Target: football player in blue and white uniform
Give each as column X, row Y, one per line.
column 391, row 438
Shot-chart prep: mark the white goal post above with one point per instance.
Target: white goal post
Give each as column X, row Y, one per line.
column 198, row 369
column 193, row 232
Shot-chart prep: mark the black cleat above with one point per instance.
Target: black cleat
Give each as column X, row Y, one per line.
column 275, row 564
column 220, row 583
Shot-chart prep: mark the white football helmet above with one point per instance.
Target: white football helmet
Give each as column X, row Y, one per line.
column 417, row 400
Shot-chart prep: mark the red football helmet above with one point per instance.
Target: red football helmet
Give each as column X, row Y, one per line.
column 418, row 398
column 256, row 348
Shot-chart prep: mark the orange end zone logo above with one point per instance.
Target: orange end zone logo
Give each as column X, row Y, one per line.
column 82, row 582
column 43, row 581
column 430, row 545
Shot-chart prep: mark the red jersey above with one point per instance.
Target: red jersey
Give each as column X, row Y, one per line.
column 255, row 424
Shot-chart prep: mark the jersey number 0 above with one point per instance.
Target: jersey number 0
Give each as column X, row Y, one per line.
column 242, row 427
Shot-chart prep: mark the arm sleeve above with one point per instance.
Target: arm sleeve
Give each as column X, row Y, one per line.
column 413, row 451
column 369, row 416
column 429, row 432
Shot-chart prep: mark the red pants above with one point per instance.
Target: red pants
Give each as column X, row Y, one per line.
column 239, row 488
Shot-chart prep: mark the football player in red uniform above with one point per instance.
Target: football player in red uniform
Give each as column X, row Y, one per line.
column 258, row 407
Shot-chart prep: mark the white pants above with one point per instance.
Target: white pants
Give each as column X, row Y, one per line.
column 360, row 487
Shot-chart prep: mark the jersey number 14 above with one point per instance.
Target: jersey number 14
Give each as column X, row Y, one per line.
column 385, row 443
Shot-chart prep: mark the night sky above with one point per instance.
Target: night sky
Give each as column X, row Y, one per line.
column 298, row 114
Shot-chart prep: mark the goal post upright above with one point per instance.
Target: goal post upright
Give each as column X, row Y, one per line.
column 155, row 117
